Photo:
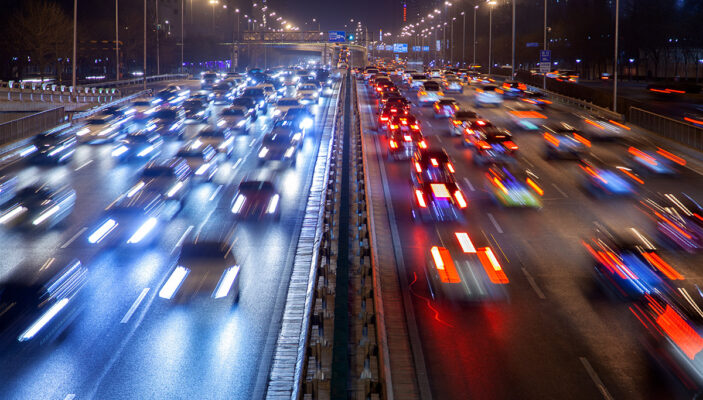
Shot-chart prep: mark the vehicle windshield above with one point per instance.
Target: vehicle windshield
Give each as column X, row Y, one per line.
column 204, row 250
column 167, row 114
column 288, row 103
column 233, row 111
column 255, row 186
column 158, row 172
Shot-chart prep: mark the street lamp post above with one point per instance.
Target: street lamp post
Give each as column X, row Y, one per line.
column 117, row 41
column 490, row 36
column 474, row 37
column 615, row 67
column 158, row 49
column 463, row 40
column 451, row 46
column 512, row 64
column 544, row 74
column 183, row 35
column 144, row 75
column 75, row 39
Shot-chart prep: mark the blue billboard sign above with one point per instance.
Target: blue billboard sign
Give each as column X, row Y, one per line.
column 337, row 36
column 425, row 48
column 389, row 47
column 417, row 48
column 400, row 47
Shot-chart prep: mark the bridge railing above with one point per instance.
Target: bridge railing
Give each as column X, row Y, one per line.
column 137, row 81
column 31, row 125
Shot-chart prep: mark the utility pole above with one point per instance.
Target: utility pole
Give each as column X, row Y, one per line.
column 474, row 38
column 183, row 35
column 75, row 41
column 490, row 39
column 544, row 74
column 463, row 40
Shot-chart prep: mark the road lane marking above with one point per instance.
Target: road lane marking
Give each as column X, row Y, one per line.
column 495, row 223
column 559, row 190
column 253, row 140
column 468, row 183
column 532, row 283
column 135, row 305
column 595, row 378
column 215, row 192
column 74, row 237
column 528, row 162
column 202, row 224
column 239, row 161
column 85, row 164
column 182, row 238
column 70, row 396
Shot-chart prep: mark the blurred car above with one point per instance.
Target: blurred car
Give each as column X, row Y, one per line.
column 237, row 118
column 222, row 93
column 136, row 218
column 8, row 187
column 514, row 188
column 209, row 79
column 402, row 145
column 603, row 180
column 429, row 93
column 300, row 117
column 256, row 199
column 39, row 303
column 488, row 95
column 602, row 129
column 173, row 95
column 394, row 100
column 536, row 98
column 144, row 145
column 201, row 158
column 170, row 122
column 513, row 89
column 629, row 264
column 168, row 177
column 270, row 91
column 445, row 108
column 203, row 95
column 219, row 136
column 453, row 84
column 417, row 80
column 258, row 95
column 203, row 268
column 196, row 110
column 38, row 207
column 250, row 104
column 462, row 120
column 402, row 123
column 98, row 130
column 490, row 144
column 285, row 104
column 307, row 93
column 679, row 220
column 464, row 272
column 280, row 147
column 54, row 147
column 654, row 161
column 437, row 201
column 387, row 113
column 431, row 165
column 564, row 141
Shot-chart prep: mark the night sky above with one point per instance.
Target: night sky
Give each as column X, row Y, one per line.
column 333, row 14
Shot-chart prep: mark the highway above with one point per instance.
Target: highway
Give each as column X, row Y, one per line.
column 557, row 334
column 128, row 342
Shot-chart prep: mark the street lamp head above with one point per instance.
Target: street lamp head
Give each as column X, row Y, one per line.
column 453, row 18
column 491, row 2
column 476, row 7
column 236, row 10
column 462, row 13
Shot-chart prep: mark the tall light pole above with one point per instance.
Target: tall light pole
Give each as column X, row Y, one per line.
column 117, row 41
column 490, row 35
column 144, row 76
column 158, row 31
column 512, row 64
column 75, row 40
column 544, row 74
column 451, row 46
column 615, row 67
column 474, row 37
column 183, row 35
column 463, row 40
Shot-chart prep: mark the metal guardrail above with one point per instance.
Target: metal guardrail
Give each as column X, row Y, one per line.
column 136, row 81
column 600, row 111
column 682, row 132
column 31, row 125
column 88, row 113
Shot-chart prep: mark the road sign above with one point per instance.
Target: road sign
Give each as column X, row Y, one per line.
column 389, row 47
column 417, row 48
column 425, row 48
column 545, row 61
column 337, row 36
column 532, row 44
column 380, row 47
column 438, row 46
column 400, row 47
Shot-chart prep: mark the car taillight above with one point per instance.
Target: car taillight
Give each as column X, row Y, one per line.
column 420, row 198
column 393, row 144
column 379, row 89
column 407, row 138
column 469, row 131
column 422, row 144
column 510, row 145
column 450, row 167
column 484, row 145
column 404, row 121
column 418, row 168
column 434, row 162
column 416, row 127
column 384, row 118
column 460, row 199
column 394, row 126
column 456, row 122
column 479, row 122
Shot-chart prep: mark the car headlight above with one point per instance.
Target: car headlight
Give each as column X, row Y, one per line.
column 263, row 152
column 202, row 169
column 289, row 152
column 240, row 123
column 102, row 231
column 238, row 203
column 277, row 112
column 143, row 230
column 12, row 214
column 202, row 81
column 174, row 189
column 273, row 204
column 82, row 132
column 119, row 151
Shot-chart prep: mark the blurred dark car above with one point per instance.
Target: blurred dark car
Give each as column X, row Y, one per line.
column 144, row 145
column 256, row 199
column 38, row 207
column 54, row 147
